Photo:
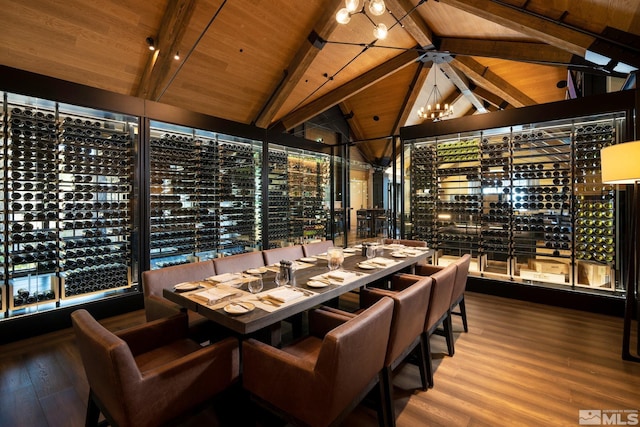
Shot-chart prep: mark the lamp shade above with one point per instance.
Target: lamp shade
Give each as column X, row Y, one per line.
column 620, row 163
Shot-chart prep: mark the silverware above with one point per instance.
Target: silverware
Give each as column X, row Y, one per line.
column 240, row 304
column 304, row 291
column 269, row 301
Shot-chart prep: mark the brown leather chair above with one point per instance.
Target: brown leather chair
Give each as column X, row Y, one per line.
column 157, row 307
column 410, row 243
column 154, row 281
column 411, row 302
column 289, row 253
column 438, row 313
column 457, row 296
column 315, row 248
column 150, row 374
column 238, row 263
column 319, row 379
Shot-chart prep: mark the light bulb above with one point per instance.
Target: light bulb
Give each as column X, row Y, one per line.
column 343, row 16
column 377, row 7
column 352, row 5
column 177, row 56
column 380, row 32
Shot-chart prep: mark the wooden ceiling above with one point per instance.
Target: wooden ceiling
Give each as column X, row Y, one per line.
column 278, row 63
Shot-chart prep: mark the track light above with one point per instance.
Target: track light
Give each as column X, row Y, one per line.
column 177, row 56
column 151, row 43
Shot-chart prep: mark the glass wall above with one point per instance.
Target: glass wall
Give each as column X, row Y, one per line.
column 526, row 202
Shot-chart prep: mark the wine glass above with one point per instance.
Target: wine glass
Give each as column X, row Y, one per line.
column 255, row 284
column 282, row 277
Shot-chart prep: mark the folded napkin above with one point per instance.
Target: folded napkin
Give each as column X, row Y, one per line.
column 213, row 295
column 383, row 262
column 284, row 294
column 226, row 277
column 340, row 275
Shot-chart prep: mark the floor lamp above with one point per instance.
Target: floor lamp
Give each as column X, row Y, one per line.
column 621, row 165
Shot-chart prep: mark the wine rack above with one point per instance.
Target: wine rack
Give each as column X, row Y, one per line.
column 495, row 181
column 278, row 199
column 68, row 174
column 204, row 198
column 459, row 196
column 424, row 190
column 307, row 181
column 528, row 202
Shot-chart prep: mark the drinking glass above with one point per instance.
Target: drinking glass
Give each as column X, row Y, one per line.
column 371, row 251
column 255, row 284
column 335, row 257
column 282, row 277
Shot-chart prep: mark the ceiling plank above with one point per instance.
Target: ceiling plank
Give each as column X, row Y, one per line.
column 544, row 30
column 348, row 89
column 412, row 22
column 486, row 78
column 300, row 63
column 172, row 28
column 347, row 111
column 512, row 50
column 411, row 97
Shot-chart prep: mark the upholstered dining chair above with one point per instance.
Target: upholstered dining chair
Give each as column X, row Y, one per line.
column 319, row 379
column 152, row 373
column 459, row 288
column 157, row 306
column 239, row 262
column 438, row 312
column 315, row 248
column 411, row 303
column 289, row 253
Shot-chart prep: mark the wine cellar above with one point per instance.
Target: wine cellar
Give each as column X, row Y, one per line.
column 527, row 202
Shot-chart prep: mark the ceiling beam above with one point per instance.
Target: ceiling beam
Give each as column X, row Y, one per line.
column 354, row 126
column 461, row 81
column 545, row 30
column 300, row 63
column 422, row 34
column 174, row 24
column 491, row 98
column 419, row 79
column 348, row 89
column 486, row 78
column 503, row 49
column 412, row 22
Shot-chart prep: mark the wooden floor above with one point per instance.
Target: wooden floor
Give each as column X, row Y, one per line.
column 521, row 364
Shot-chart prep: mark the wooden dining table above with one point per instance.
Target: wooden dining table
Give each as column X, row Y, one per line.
column 266, row 318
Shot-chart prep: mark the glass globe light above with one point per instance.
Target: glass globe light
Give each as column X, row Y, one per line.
column 352, row 5
column 343, row 16
column 380, row 32
column 377, row 7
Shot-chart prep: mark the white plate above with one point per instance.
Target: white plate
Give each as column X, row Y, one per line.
column 186, row 286
column 349, row 250
column 308, row 259
column 367, row 266
column 398, row 255
column 260, row 270
column 240, row 308
column 316, row 284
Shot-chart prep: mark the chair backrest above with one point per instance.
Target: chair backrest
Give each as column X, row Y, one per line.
column 410, row 243
column 315, row 248
column 289, row 253
column 238, row 263
column 154, row 281
column 462, row 271
column 108, row 363
column 441, row 291
column 351, row 357
column 409, row 314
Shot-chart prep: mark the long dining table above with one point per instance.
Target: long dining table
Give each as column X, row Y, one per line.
column 265, row 313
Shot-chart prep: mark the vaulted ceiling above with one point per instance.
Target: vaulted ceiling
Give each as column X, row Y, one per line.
column 279, row 63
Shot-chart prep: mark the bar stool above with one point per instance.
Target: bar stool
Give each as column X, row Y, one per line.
column 364, row 226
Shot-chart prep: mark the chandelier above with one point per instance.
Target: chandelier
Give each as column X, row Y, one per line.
column 435, row 111
column 376, row 8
